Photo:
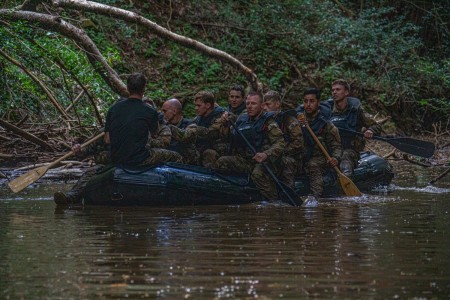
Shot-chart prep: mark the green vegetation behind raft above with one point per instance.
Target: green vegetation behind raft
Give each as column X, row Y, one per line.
column 395, row 54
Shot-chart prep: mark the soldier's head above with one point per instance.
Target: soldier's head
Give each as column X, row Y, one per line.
column 172, row 110
column 272, row 101
column 204, row 102
column 254, row 104
column 340, row 89
column 311, row 100
column 136, row 85
column 236, row 96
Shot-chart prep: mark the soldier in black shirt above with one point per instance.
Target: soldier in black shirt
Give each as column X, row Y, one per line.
column 128, row 124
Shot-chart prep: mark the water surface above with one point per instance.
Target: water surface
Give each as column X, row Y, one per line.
column 384, row 245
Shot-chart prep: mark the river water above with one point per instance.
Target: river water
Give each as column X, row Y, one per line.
column 386, row 245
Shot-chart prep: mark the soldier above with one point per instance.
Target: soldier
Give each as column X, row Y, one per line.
column 347, row 115
column 292, row 133
column 208, row 145
column 266, row 138
column 162, row 137
column 173, row 113
column 315, row 161
column 101, row 155
column 127, row 128
column 236, row 103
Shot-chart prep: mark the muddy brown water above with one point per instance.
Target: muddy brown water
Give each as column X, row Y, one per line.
column 384, row 245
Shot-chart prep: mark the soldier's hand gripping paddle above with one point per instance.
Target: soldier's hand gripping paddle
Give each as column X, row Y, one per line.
column 28, row 178
column 349, row 188
column 288, row 194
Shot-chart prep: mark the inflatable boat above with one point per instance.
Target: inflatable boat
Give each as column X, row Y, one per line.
column 175, row 184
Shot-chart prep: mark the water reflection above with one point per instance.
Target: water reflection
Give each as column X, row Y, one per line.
column 384, row 245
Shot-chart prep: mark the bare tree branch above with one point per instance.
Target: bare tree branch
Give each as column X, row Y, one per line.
column 132, row 17
column 28, row 136
column 78, row 35
column 50, row 96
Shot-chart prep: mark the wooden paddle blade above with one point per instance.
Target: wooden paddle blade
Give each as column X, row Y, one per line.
column 26, row 179
column 413, row 146
column 349, row 188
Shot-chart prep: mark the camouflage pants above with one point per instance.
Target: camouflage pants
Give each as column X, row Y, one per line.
column 259, row 176
column 209, row 158
column 77, row 190
column 349, row 161
column 289, row 170
column 190, row 154
column 158, row 156
column 316, row 168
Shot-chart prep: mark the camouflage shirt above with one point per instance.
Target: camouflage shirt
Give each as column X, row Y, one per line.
column 161, row 139
column 292, row 133
column 328, row 135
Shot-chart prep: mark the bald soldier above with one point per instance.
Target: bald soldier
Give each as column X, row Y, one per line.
column 173, row 113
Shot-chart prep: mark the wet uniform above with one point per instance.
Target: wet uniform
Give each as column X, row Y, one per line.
column 351, row 118
column 265, row 136
column 316, row 164
column 295, row 148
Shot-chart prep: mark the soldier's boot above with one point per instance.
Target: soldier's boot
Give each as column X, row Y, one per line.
column 346, row 168
column 61, row 198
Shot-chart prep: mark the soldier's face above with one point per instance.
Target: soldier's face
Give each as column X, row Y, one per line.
column 254, row 105
column 310, row 103
column 235, row 98
column 272, row 106
column 201, row 108
column 339, row 92
column 168, row 111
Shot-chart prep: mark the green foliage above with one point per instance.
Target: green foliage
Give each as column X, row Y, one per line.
column 57, row 63
column 382, row 49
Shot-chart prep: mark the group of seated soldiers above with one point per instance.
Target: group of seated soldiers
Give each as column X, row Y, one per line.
column 252, row 130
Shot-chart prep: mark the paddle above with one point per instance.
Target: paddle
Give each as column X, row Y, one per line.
column 28, row 178
column 349, row 188
column 289, row 193
column 405, row 144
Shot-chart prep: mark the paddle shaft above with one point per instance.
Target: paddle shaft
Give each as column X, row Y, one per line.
column 322, row 148
column 31, row 176
column 405, row 144
column 349, row 188
column 67, row 155
column 268, row 169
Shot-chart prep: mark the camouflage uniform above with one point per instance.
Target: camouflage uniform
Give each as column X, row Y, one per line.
column 295, row 148
column 210, row 145
column 158, row 145
column 183, row 142
column 271, row 142
column 316, row 162
column 161, row 139
column 351, row 118
column 101, row 155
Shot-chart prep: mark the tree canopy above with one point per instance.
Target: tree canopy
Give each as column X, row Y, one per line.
column 68, row 59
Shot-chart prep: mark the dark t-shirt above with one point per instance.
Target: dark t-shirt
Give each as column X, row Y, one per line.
column 129, row 123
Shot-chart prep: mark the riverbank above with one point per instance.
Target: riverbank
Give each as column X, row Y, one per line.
column 18, row 156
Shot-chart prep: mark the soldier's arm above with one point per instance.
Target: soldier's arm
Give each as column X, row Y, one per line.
column 296, row 143
column 368, row 122
column 162, row 140
column 333, row 141
column 276, row 139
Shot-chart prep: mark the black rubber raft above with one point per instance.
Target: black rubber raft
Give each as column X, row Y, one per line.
column 175, row 184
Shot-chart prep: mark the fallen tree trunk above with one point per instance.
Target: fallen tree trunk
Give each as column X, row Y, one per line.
column 25, row 135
